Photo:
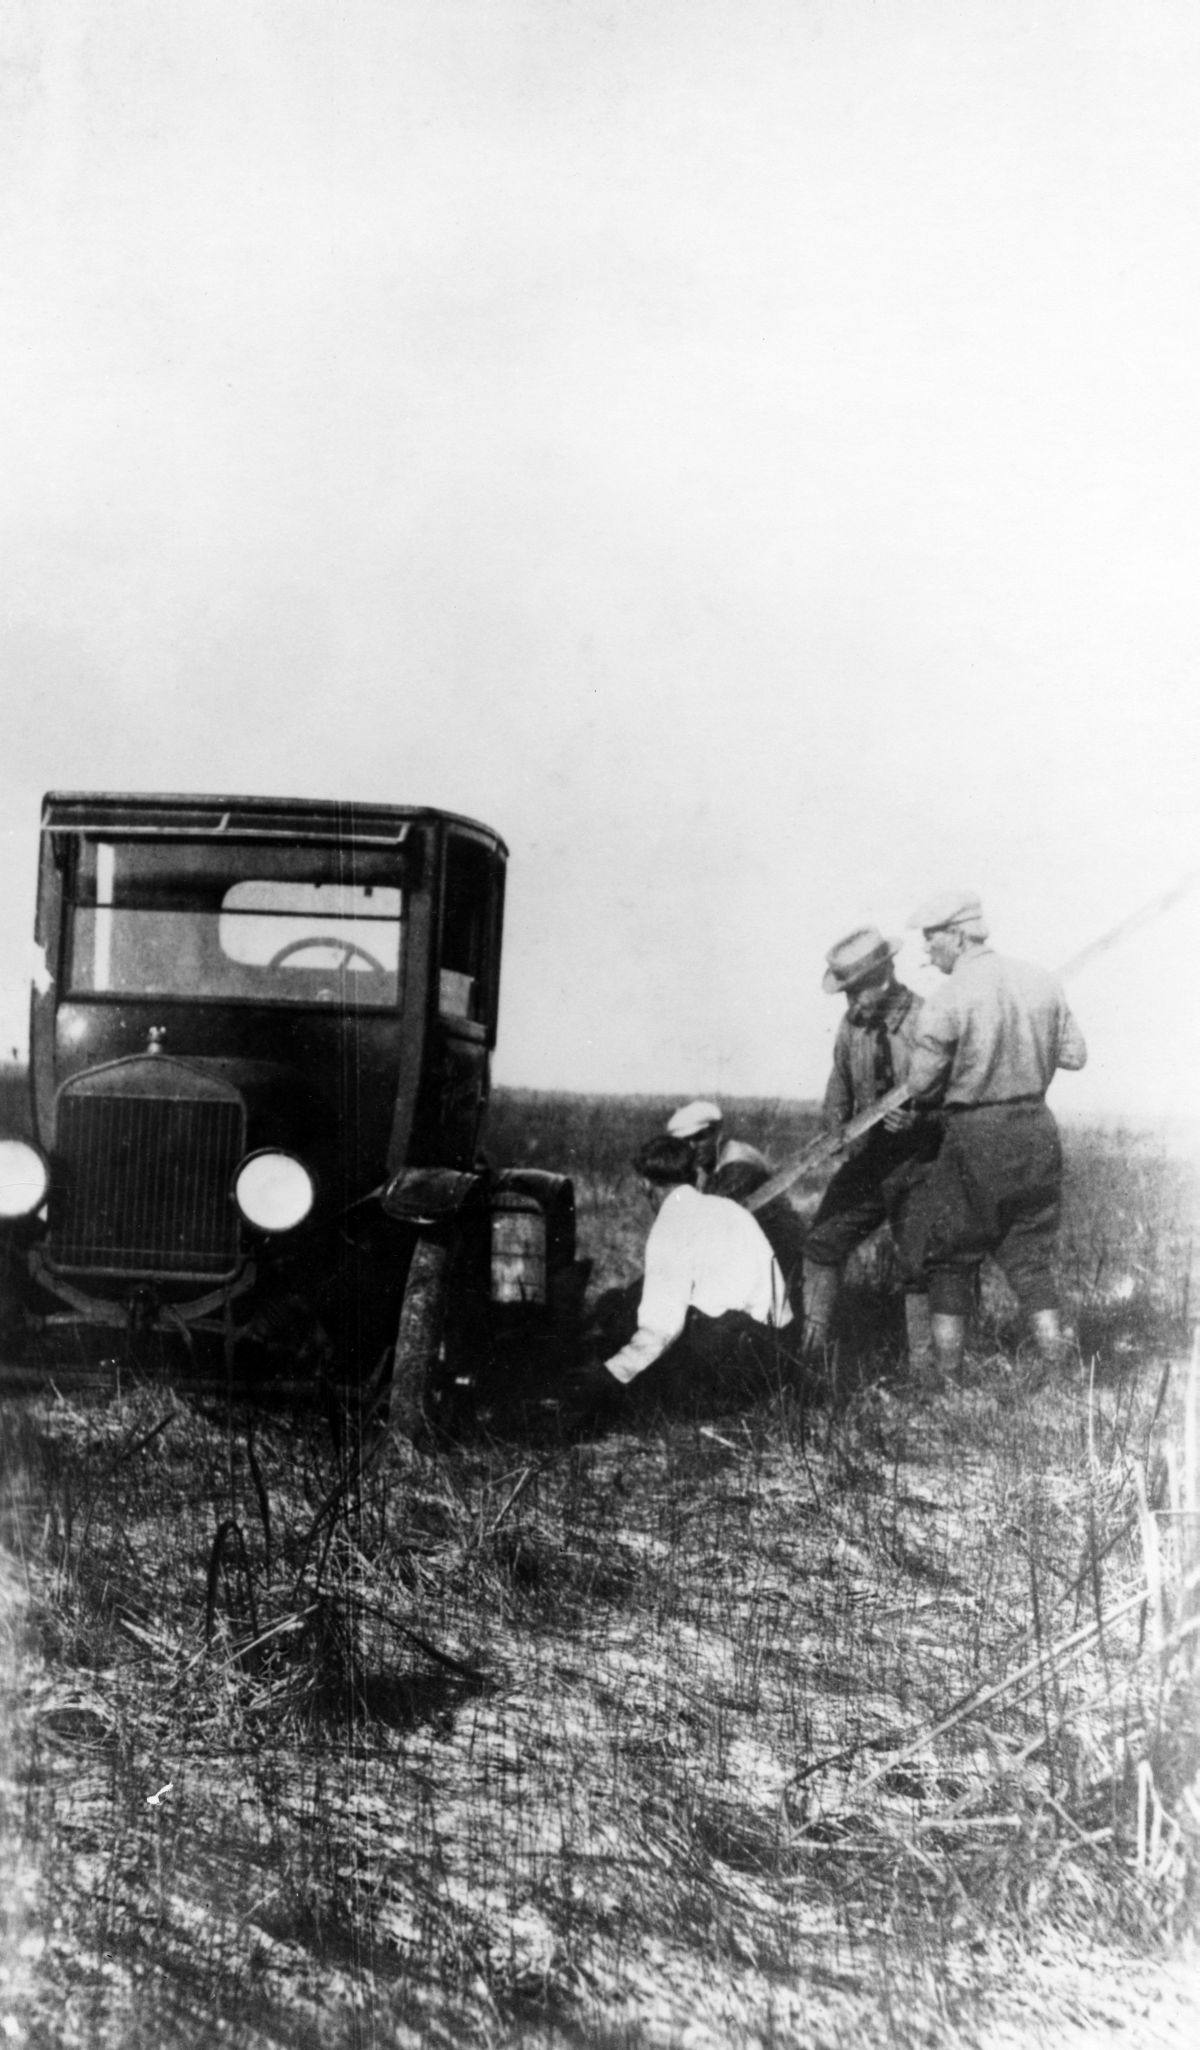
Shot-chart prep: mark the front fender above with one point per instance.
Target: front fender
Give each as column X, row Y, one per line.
column 428, row 1196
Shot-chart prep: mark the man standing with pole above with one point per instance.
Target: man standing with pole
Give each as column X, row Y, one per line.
column 871, row 1054
column 987, row 1047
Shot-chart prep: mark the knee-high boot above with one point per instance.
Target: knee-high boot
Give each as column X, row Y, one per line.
column 1048, row 1336
column 949, row 1334
column 822, row 1286
column 919, row 1334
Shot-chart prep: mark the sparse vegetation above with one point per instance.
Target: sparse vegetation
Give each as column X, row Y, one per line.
column 868, row 1720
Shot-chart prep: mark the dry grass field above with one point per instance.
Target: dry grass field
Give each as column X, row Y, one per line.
column 866, row 1720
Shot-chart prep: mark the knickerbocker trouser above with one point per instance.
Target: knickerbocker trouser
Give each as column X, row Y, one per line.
column 996, row 1187
column 872, row 1188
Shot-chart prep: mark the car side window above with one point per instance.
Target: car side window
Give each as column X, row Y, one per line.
column 464, row 983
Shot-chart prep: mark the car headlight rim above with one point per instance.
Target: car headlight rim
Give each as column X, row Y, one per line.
column 273, row 1190
column 24, row 1179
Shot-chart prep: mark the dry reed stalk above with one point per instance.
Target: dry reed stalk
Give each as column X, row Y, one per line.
column 1044, row 1661
column 1190, row 1492
column 511, row 1499
column 1153, row 1824
column 1152, row 1561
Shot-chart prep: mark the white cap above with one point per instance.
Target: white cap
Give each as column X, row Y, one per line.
column 950, row 907
column 693, row 1118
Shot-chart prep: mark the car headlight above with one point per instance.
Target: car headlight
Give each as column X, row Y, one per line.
column 274, row 1191
column 24, row 1178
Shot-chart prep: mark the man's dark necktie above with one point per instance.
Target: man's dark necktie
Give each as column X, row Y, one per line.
column 885, row 1073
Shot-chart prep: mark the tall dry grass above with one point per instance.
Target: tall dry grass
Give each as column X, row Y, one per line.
column 872, row 1722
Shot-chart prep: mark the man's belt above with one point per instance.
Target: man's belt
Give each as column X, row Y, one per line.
column 953, row 1110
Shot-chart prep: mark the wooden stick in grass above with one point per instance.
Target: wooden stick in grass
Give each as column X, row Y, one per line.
column 1075, row 1642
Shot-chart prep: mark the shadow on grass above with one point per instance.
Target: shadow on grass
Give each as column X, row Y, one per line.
column 1120, row 1334
column 404, row 1701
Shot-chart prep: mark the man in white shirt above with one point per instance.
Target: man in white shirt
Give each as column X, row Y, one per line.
column 712, row 1287
column 734, row 1168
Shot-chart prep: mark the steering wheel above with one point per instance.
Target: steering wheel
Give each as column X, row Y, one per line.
column 350, row 950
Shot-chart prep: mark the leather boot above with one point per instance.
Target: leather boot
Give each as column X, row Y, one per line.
column 949, row 1334
column 818, row 1347
column 1048, row 1336
column 920, row 1337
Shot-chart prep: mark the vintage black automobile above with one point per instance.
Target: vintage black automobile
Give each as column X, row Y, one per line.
column 259, row 1065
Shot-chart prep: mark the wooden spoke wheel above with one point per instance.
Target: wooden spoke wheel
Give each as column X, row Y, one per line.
column 420, row 1332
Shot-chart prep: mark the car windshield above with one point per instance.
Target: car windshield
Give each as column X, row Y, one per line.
column 271, row 924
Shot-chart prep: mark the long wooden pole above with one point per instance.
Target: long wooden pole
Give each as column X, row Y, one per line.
column 830, row 1144
column 826, row 1147
column 1134, row 923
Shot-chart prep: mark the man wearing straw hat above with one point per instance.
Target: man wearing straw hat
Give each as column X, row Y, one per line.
column 871, row 1053
column 988, row 1045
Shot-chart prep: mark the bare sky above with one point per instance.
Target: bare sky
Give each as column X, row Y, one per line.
column 746, row 450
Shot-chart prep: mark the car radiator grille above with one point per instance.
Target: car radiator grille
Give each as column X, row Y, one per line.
column 144, row 1185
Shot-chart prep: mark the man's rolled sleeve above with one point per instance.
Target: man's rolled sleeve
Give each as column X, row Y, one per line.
column 933, row 1055
column 1072, row 1046
column 666, row 1294
column 641, row 1352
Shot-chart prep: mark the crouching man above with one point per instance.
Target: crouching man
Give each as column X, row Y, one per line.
column 712, row 1296
column 732, row 1167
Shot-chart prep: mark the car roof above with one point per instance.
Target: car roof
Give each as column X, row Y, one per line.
column 170, row 814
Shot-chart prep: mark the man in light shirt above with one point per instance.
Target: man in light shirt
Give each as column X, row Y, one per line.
column 734, row 1168
column 712, row 1290
column 988, row 1045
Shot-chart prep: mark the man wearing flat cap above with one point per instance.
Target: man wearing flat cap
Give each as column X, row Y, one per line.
column 700, row 1123
column 988, row 1046
column 871, row 1054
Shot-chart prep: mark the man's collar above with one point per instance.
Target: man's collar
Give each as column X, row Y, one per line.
column 899, row 1005
column 971, row 954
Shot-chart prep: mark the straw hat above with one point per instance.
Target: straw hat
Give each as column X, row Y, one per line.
column 857, row 959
